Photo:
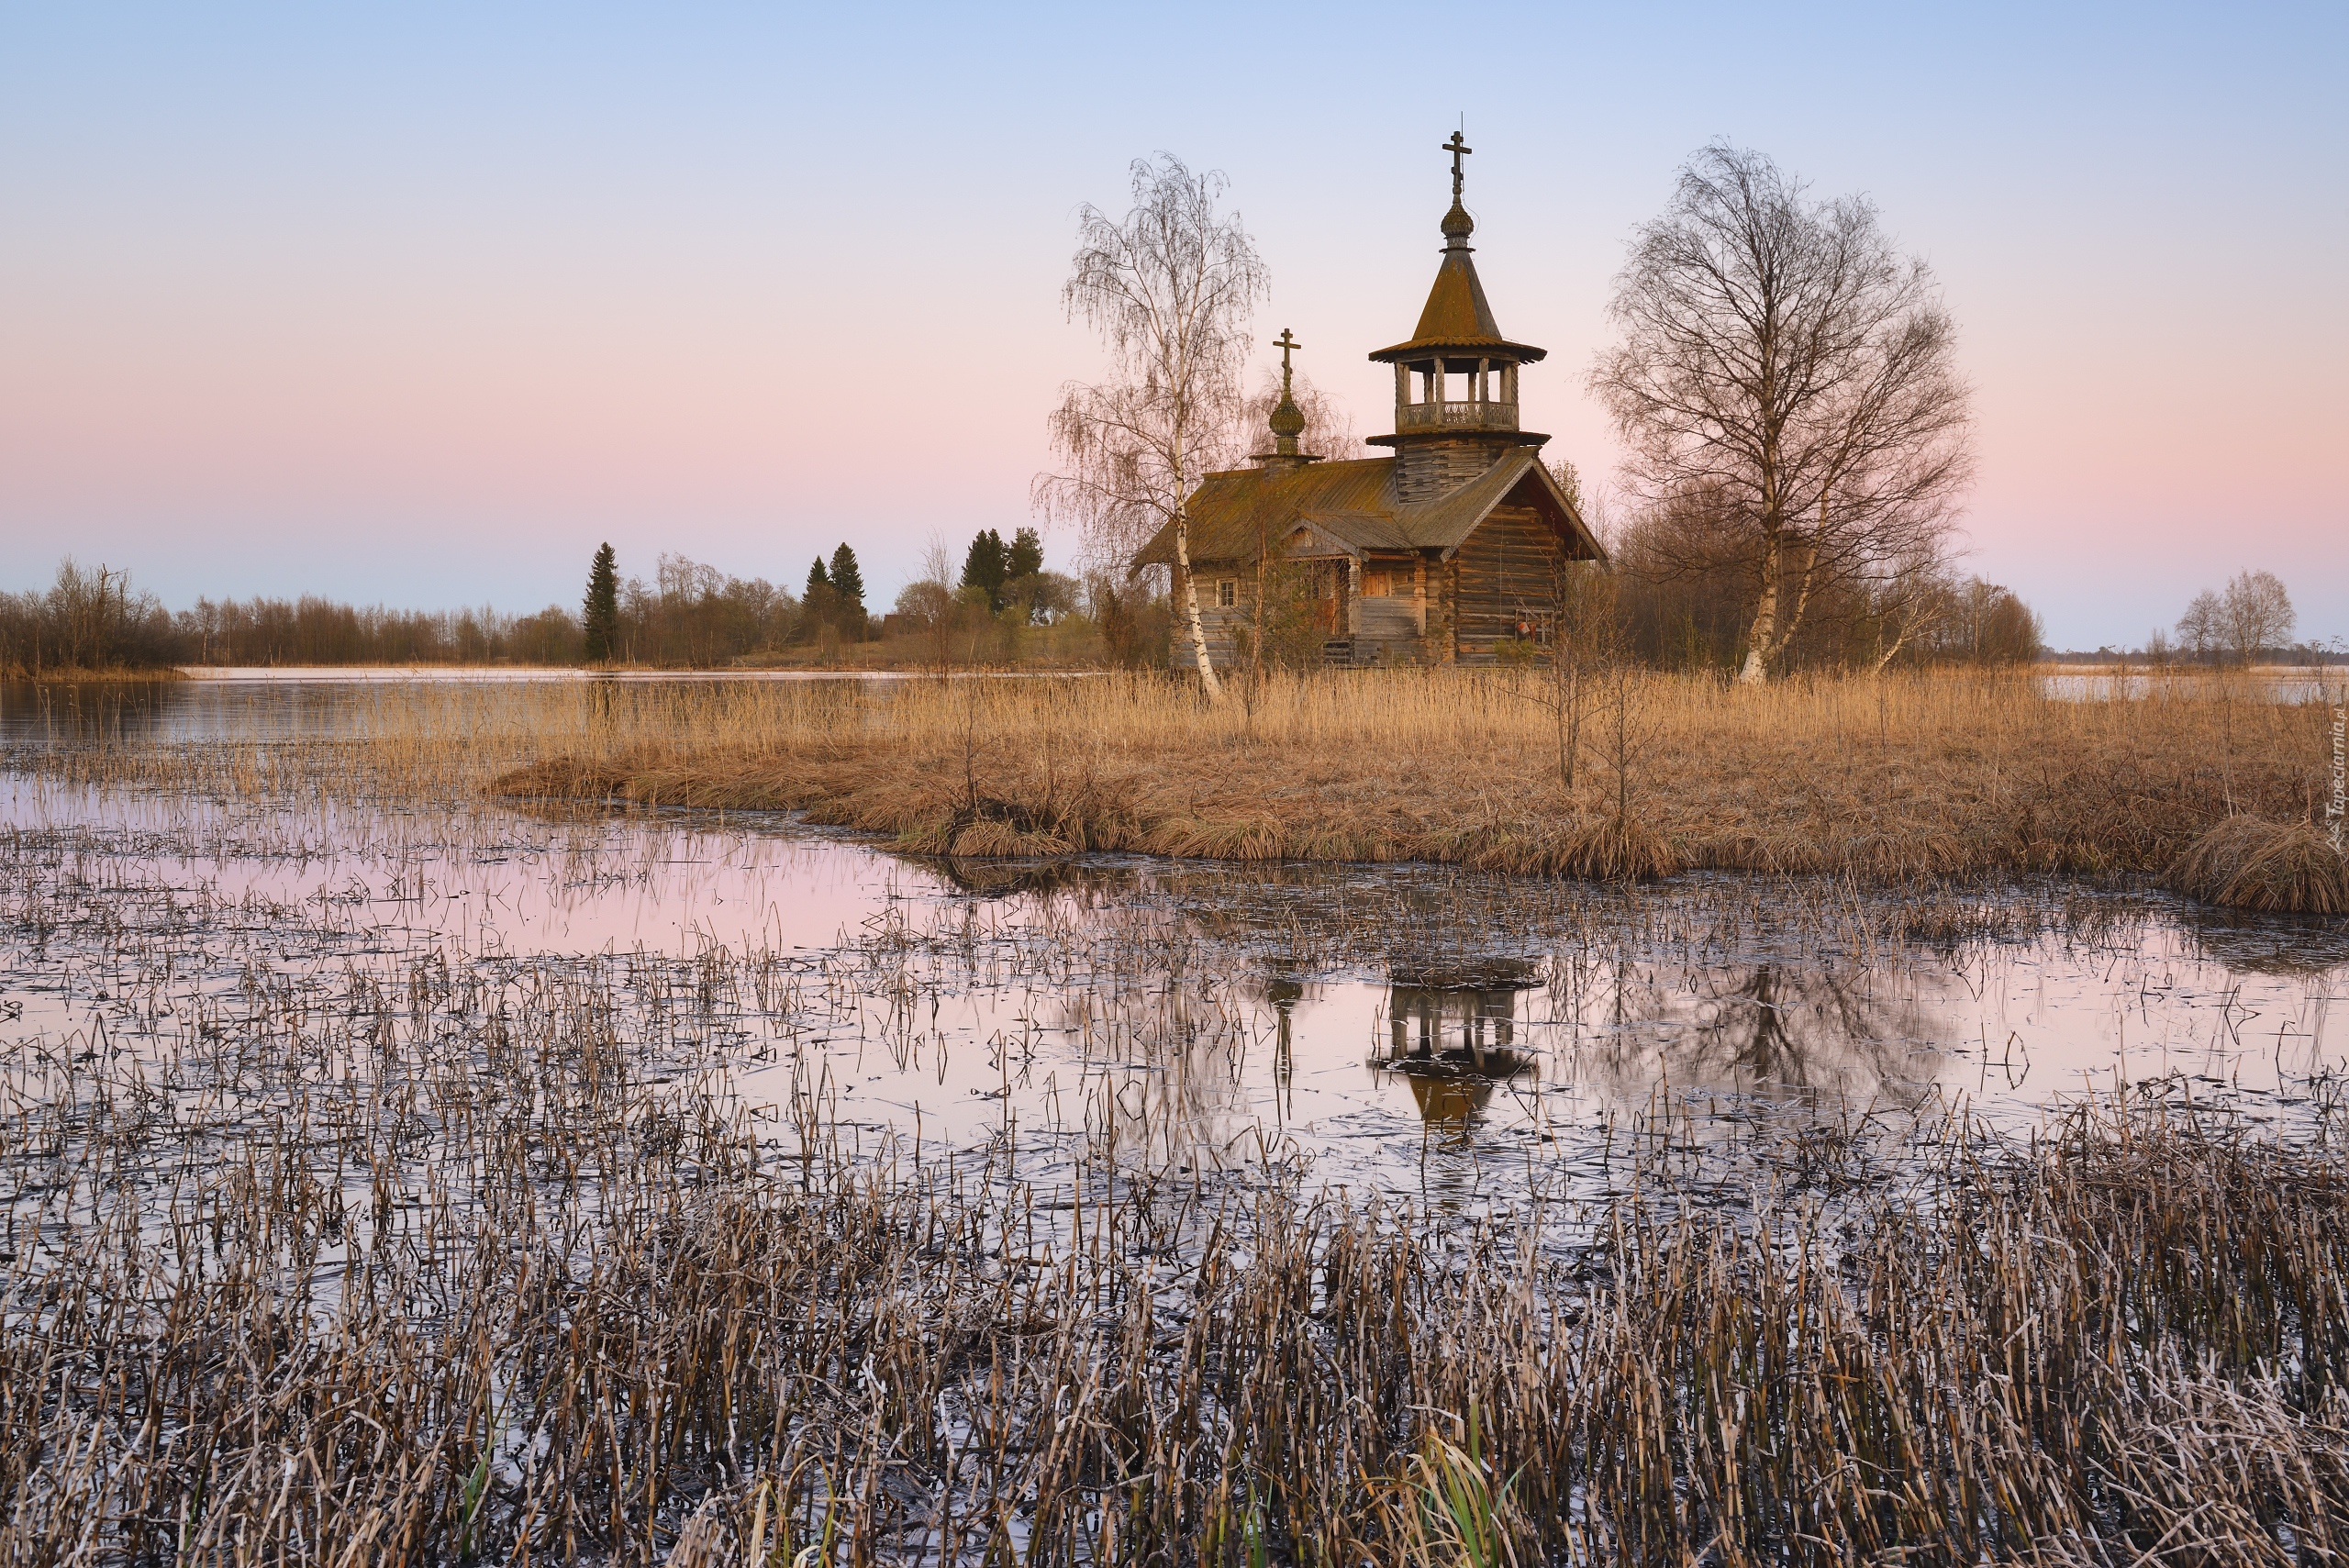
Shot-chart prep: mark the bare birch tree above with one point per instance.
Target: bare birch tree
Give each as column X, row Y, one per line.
column 1780, row 358
column 2199, row 627
column 1907, row 597
column 2254, row 613
column 1171, row 290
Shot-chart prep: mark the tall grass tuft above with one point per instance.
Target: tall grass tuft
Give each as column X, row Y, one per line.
column 2245, row 862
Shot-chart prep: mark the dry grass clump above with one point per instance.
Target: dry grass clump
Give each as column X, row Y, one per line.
column 2277, row 867
column 1928, row 775
column 1618, row 849
column 1932, row 774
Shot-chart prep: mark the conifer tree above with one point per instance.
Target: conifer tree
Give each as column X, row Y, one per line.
column 847, row 580
column 818, row 583
column 984, row 566
column 1026, row 556
column 601, row 615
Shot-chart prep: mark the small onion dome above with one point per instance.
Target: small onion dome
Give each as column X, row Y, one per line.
column 1287, row 418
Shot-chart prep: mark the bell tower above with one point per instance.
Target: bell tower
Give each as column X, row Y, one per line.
column 1455, row 379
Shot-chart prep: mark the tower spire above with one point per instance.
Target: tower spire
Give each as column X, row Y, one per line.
column 1457, row 224
column 1455, row 376
column 1287, row 419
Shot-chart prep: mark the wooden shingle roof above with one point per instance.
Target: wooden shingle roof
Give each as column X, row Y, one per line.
column 1457, row 318
column 1353, row 505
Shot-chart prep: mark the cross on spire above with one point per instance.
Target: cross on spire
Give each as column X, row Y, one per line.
column 1287, row 421
column 1457, row 146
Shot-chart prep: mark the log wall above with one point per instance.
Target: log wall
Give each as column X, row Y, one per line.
column 1427, row 470
column 1441, row 612
column 1506, row 573
column 1389, row 628
column 1222, row 624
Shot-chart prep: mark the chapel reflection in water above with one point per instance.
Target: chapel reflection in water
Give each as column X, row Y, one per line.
column 1454, row 1037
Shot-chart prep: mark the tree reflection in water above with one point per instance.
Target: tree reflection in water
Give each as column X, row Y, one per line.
column 1807, row 1035
column 69, row 713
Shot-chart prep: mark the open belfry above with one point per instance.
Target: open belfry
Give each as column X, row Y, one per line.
column 1446, row 552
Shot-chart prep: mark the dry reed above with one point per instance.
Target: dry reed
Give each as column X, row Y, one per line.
column 1892, row 777
column 1897, row 776
column 588, row 1320
column 467, row 1257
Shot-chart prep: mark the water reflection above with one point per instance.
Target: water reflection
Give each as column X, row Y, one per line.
column 326, row 704
column 2288, row 684
column 1805, row 1031
column 1169, row 1015
column 2279, row 945
column 112, row 712
column 1453, row 1043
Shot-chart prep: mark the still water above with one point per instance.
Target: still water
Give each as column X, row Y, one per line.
column 1391, row 1028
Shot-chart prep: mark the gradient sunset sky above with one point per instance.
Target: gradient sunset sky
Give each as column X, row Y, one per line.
column 416, row 304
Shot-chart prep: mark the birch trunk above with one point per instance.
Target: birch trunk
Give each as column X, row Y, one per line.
column 1759, row 641
column 1773, row 633
column 1208, row 680
column 1207, row 677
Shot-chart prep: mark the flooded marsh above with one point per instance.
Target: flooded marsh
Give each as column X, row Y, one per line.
column 396, row 1175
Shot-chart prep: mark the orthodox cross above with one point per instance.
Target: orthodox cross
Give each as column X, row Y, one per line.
column 1456, row 146
column 1287, row 343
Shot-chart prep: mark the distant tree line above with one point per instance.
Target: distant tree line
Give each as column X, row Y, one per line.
column 689, row 615
column 983, row 611
column 1678, row 594
column 86, row 620
column 1686, row 586
column 832, row 607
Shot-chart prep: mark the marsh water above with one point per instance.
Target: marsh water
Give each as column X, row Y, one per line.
column 1466, row 1040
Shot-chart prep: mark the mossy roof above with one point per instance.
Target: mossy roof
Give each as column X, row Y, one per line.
column 1458, row 319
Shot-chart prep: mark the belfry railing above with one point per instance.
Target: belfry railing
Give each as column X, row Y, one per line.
column 1456, row 416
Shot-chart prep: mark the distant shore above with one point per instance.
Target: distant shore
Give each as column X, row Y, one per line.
column 98, row 677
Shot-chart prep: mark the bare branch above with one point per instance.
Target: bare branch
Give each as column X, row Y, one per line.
column 1785, row 371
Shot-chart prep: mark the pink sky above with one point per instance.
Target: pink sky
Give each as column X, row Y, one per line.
column 419, row 307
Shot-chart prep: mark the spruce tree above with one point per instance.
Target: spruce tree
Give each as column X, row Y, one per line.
column 817, row 582
column 1026, row 556
column 847, row 580
column 984, row 566
column 600, row 619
